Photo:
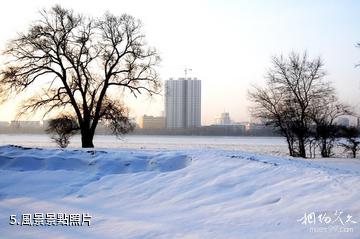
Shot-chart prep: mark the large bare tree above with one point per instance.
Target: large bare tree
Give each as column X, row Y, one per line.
column 295, row 86
column 76, row 60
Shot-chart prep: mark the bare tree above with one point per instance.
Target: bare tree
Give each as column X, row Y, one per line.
column 352, row 141
column 61, row 129
column 77, row 60
column 116, row 116
column 294, row 84
column 357, row 45
column 271, row 107
column 324, row 113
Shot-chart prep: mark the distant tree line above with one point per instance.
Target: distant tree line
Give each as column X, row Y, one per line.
column 211, row 130
column 303, row 107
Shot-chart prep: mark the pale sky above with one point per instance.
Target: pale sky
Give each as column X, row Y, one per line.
column 227, row 44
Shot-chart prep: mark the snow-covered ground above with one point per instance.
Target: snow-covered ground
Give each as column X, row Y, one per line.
column 264, row 145
column 184, row 193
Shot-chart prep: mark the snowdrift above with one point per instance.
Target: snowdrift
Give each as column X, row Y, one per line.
column 98, row 162
column 175, row 194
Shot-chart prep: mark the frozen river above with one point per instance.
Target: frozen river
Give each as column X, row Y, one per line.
column 265, row 145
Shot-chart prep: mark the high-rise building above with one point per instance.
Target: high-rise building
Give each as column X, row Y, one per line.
column 183, row 103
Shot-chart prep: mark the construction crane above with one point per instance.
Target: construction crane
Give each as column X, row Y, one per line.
column 186, row 70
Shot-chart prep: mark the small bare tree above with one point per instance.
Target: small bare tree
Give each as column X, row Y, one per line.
column 324, row 113
column 352, row 141
column 61, row 129
column 116, row 116
column 78, row 60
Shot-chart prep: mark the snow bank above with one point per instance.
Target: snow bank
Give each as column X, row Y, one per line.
column 174, row 194
column 19, row 158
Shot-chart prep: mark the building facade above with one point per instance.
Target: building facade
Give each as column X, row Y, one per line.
column 224, row 119
column 183, row 103
column 152, row 122
column 25, row 124
column 343, row 121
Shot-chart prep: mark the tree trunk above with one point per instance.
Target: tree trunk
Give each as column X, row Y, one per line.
column 87, row 137
column 290, row 145
column 302, row 149
column 323, row 149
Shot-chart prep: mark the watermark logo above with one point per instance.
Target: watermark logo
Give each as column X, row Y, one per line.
column 337, row 221
column 50, row 219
